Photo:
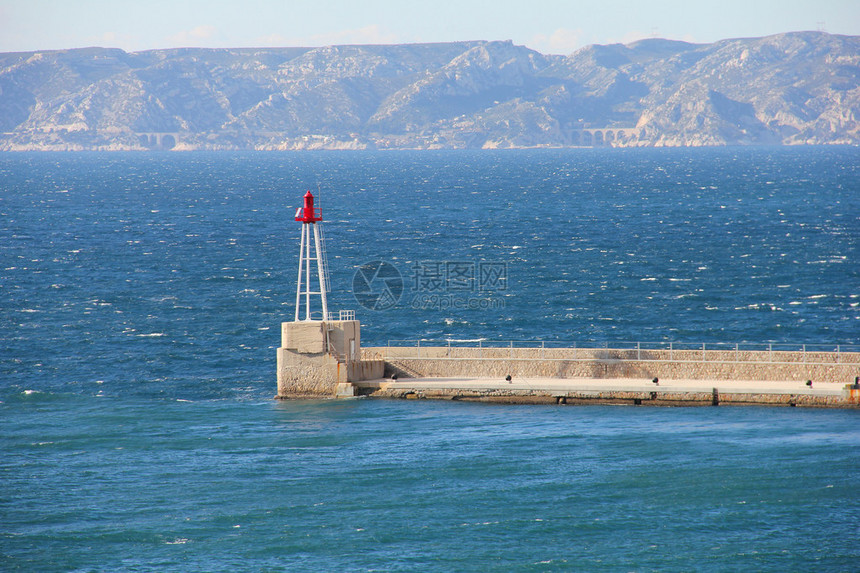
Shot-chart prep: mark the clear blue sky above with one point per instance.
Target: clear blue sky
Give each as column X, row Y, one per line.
column 549, row 26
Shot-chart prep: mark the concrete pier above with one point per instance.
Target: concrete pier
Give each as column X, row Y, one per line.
column 632, row 363
column 324, row 359
column 619, row 376
column 576, row 391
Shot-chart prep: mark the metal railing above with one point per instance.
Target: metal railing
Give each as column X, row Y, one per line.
column 342, row 315
column 768, row 353
column 332, row 315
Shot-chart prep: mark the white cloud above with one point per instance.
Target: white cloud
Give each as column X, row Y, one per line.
column 367, row 35
column 197, row 36
column 203, row 32
column 562, row 41
column 273, row 41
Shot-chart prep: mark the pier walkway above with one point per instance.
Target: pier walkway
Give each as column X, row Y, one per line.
column 681, row 392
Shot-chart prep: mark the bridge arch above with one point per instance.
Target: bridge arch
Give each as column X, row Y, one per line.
column 158, row 140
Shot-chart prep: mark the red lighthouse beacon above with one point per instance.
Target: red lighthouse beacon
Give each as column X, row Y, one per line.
column 308, row 214
column 310, row 217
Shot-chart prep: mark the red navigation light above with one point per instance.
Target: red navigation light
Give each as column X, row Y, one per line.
column 308, row 214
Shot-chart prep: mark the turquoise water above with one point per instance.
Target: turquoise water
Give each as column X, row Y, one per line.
column 141, row 298
column 111, row 484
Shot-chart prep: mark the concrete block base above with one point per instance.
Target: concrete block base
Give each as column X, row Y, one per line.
column 322, row 359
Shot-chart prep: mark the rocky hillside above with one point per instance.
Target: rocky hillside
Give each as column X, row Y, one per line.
column 796, row 88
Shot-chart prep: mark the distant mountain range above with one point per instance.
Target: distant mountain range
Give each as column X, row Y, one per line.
column 794, row 88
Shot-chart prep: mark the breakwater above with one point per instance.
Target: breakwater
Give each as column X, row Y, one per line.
column 580, row 391
column 325, row 359
column 636, row 376
column 635, row 363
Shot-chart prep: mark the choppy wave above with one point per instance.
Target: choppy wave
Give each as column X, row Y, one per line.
column 170, row 274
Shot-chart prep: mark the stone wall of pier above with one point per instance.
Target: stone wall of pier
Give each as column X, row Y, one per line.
column 474, row 362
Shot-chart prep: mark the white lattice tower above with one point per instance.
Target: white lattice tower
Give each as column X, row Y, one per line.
column 309, row 256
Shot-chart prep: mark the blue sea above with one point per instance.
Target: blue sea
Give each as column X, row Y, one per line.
column 141, row 297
